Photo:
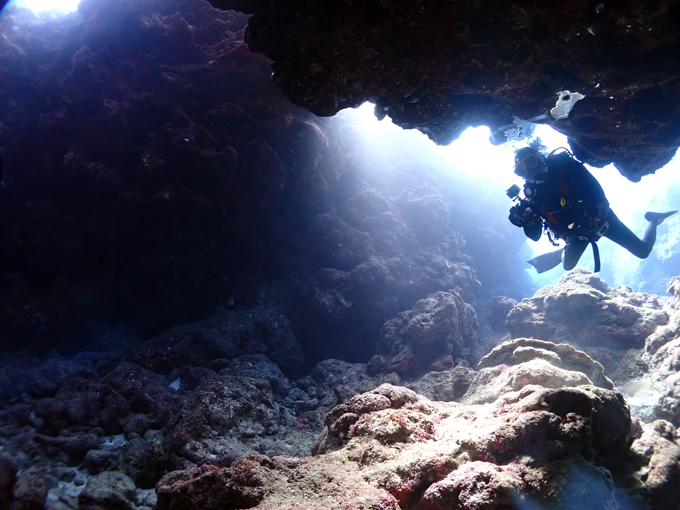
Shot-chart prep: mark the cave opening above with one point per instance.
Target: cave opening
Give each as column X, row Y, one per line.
column 210, row 290
column 475, row 156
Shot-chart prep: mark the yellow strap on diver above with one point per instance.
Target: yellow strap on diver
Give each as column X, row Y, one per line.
column 563, row 202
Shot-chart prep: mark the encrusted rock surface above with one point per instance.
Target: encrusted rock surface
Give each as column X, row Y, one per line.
column 437, row 332
column 521, row 362
column 441, row 66
column 634, row 335
column 446, row 385
column 111, row 489
column 537, row 422
column 581, row 310
column 227, row 335
column 107, row 432
column 654, row 389
column 658, row 453
column 391, row 449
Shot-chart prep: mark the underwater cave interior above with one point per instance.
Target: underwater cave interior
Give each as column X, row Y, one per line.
column 249, row 261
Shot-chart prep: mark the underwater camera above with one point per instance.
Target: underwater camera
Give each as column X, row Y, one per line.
column 516, row 216
column 523, row 214
column 513, row 192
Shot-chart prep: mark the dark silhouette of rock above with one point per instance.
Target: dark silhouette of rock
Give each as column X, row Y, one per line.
column 440, row 327
column 227, row 335
column 443, row 66
column 159, row 177
column 163, row 146
column 499, row 307
column 8, row 473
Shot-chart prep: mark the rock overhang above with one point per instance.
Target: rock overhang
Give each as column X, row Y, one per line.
column 442, row 66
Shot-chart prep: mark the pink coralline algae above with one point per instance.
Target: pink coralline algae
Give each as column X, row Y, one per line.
column 391, row 448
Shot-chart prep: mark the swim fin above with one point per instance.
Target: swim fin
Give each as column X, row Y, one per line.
column 658, row 217
column 547, row 261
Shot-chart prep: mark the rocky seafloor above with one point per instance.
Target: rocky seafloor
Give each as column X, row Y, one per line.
column 577, row 406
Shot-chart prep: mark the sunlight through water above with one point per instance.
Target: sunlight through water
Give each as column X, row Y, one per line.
column 43, row 6
column 474, row 156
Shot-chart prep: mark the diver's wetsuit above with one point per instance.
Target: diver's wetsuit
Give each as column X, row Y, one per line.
column 620, row 234
column 569, row 196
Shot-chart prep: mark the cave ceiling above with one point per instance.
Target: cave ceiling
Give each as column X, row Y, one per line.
column 440, row 66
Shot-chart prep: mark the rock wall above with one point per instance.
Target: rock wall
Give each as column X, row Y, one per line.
column 155, row 177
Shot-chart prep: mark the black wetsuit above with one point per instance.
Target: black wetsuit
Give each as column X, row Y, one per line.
column 575, row 208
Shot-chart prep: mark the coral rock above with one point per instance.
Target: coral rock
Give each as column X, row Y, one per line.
column 8, row 473
column 391, row 448
column 437, row 326
column 445, row 385
column 108, row 490
column 226, row 335
column 658, row 453
column 561, row 358
column 582, row 311
column 499, row 307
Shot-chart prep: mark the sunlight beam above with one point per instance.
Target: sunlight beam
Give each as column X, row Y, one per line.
column 42, row 6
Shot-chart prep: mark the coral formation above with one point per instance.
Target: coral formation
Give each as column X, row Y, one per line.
column 391, row 448
column 581, row 310
column 438, row 331
column 522, row 362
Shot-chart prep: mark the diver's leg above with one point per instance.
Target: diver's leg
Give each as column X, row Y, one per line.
column 623, row 236
column 573, row 252
column 658, row 217
column 655, row 219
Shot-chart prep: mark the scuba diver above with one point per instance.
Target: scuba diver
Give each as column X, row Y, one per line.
column 562, row 198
